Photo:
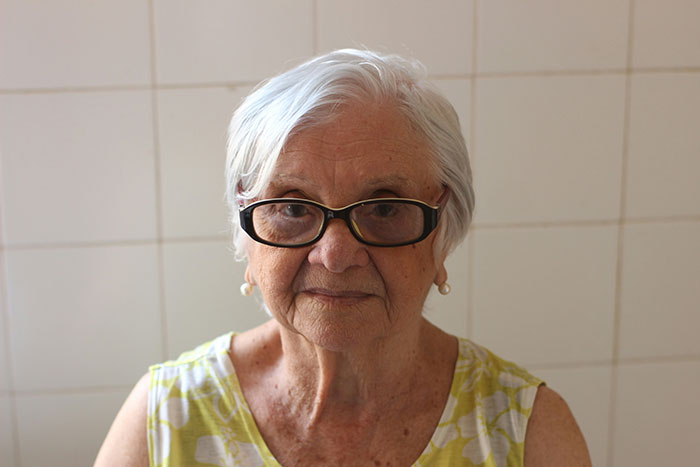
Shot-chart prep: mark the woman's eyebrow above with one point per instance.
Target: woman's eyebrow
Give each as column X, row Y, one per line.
column 391, row 181
column 290, row 179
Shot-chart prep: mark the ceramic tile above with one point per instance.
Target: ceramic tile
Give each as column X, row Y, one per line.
column 664, row 144
column 87, row 174
column 84, row 316
column 450, row 312
column 192, row 131
column 657, row 414
column 223, row 41
column 659, row 290
column 202, row 297
column 545, row 295
column 43, row 421
column 458, row 92
column 549, row 148
column 444, row 43
column 7, row 444
column 666, row 34
column 73, row 43
column 552, row 35
column 587, row 391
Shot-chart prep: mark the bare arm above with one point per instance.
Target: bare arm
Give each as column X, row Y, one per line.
column 553, row 437
column 126, row 443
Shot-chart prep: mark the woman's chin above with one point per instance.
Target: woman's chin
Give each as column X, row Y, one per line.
column 340, row 325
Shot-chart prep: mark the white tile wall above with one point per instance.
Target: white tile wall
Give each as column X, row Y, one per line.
column 659, row 299
column 548, row 148
column 439, row 33
column 65, row 430
column 664, row 145
column 83, row 316
column 587, row 391
column 77, row 167
column 223, row 41
column 658, row 414
column 202, row 296
column 450, row 312
column 666, row 34
column 552, row 35
column 192, row 132
column 7, row 443
column 545, row 295
column 73, row 43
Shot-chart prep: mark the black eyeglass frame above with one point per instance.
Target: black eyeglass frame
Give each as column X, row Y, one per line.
column 431, row 216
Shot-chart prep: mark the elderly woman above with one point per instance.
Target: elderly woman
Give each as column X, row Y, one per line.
column 349, row 184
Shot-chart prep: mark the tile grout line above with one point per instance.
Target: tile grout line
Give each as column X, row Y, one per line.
column 81, row 390
column 158, row 183
column 585, row 223
column 7, row 335
column 574, row 365
column 479, row 226
column 129, row 87
column 695, row 358
column 617, row 317
column 247, row 83
column 314, row 27
column 471, row 241
column 114, row 243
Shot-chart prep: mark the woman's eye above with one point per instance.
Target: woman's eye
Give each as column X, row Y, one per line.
column 294, row 210
column 384, row 210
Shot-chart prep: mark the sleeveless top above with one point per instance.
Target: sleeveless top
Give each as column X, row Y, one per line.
column 197, row 415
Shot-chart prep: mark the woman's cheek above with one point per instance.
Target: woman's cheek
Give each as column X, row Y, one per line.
column 274, row 270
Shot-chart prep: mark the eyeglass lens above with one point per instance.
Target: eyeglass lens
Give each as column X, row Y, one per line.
column 385, row 223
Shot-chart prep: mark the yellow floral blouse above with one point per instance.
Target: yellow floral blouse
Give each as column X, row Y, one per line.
column 197, row 415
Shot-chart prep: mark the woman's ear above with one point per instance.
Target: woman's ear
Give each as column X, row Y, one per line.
column 440, row 274
column 249, row 276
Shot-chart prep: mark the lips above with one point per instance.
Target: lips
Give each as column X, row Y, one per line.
column 337, row 297
column 352, row 286
column 337, row 293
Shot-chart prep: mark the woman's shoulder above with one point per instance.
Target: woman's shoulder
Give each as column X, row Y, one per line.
column 126, row 443
column 553, row 437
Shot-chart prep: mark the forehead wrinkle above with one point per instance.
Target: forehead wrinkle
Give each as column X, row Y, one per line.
column 334, row 151
column 326, row 176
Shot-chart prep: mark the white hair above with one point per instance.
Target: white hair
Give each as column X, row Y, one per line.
column 307, row 95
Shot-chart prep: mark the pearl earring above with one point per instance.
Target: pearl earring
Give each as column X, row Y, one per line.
column 246, row 289
column 444, row 288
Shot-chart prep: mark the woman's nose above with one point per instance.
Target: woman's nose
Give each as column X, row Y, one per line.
column 338, row 249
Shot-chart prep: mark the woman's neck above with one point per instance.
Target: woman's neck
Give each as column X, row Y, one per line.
column 361, row 381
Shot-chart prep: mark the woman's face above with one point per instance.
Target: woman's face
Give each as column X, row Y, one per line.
column 339, row 292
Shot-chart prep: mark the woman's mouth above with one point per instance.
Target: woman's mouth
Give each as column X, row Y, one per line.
column 337, row 297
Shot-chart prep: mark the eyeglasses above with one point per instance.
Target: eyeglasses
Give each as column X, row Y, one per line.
column 384, row 222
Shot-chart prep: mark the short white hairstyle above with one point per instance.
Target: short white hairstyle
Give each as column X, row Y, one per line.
column 308, row 95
